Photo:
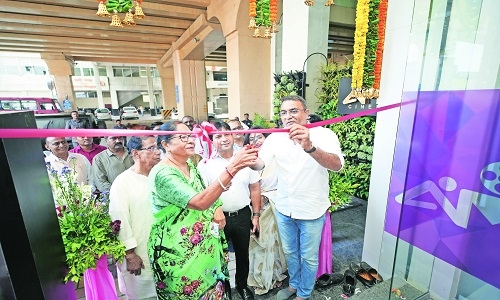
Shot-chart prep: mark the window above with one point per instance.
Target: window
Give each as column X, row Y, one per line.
column 117, row 72
column 135, row 71
column 11, row 104
column 102, row 71
column 88, row 72
column 220, row 76
column 28, row 104
column 86, row 94
column 77, row 72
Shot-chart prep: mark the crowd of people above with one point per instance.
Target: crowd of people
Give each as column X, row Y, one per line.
column 262, row 196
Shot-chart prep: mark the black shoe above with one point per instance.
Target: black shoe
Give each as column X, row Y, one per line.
column 245, row 293
column 362, row 275
column 349, row 283
column 373, row 273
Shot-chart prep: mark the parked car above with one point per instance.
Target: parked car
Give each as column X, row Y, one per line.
column 130, row 112
column 102, row 114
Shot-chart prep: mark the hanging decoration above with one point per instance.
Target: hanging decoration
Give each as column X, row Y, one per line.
column 362, row 11
column 377, row 68
column 121, row 6
column 252, row 13
column 329, row 3
column 368, row 50
column 309, row 2
column 263, row 13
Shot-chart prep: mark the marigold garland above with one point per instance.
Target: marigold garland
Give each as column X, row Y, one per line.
column 362, row 10
column 252, row 13
column 377, row 68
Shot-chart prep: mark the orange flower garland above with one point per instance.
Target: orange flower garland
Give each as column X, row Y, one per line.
column 252, row 13
column 377, row 69
column 273, row 15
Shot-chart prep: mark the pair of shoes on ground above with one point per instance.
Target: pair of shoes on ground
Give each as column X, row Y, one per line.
column 327, row 280
column 245, row 293
column 366, row 274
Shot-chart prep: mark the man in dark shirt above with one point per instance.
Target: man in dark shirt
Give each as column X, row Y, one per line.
column 119, row 125
column 247, row 121
column 76, row 123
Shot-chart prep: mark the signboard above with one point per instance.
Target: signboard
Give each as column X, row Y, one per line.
column 87, row 83
column 353, row 106
column 66, row 104
column 445, row 182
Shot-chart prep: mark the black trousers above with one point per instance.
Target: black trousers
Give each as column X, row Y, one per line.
column 237, row 230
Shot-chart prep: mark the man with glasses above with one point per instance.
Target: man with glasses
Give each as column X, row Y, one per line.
column 108, row 164
column 303, row 158
column 239, row 138
column 129, row 203
column 87, row 148
column 243, row 191
column 189, row 121
column 60, row 157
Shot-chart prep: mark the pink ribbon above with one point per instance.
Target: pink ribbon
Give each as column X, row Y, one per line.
column 202, row 131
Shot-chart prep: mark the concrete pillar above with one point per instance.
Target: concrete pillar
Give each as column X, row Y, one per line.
column 304, row 31
column 60, row 67
column 248, row 60
column 167, row 86
column 190, row 87
column 97, row 80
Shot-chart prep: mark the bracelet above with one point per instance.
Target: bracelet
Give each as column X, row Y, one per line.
column 229, row 173
column 225, row 188
column 256, row 214
column 310, row 150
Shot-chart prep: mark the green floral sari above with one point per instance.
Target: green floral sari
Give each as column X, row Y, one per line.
column 187, row 258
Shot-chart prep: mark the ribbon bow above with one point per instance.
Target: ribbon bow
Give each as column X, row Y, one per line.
column 203, row 132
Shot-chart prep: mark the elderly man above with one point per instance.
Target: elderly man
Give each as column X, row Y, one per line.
column 76, row 123
column 244, row 190
column 129, row 203
column 239, row 138
column 303, row 158
column 110, row 163
column 60, row 157
column 87, row 148
column 189, row 121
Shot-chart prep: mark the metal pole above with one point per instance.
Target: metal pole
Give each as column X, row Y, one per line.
column 303, row 83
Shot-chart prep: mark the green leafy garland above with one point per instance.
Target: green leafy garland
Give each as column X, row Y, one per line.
column 371, row 44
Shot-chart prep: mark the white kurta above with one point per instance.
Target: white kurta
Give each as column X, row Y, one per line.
column 129, row 203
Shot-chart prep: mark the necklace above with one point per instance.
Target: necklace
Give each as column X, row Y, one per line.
column 179, row 167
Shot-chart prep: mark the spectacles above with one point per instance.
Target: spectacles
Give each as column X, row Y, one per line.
column 151, row 149
column 292, row 112
column 185, row 137
column 237, row 128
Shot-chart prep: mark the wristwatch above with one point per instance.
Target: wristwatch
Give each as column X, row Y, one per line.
column 256, row 215
column 310, row 150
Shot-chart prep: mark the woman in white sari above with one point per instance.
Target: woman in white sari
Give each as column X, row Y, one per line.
column 267, row 261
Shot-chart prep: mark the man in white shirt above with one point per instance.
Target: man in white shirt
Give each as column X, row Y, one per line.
column 243, row 190
column 129, row 203
column 60, row 157
column 239, row 138
column 303, row 158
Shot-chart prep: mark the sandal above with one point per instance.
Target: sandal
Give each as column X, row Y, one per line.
column 373, row 273
column 362, row 275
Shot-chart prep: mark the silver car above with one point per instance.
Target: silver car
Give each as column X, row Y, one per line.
column 102, row 114
column 130, row 112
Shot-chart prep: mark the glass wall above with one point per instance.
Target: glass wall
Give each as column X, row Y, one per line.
column 444, row 195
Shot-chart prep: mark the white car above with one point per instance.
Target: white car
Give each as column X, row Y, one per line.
column 130, row 112
column 102, row 114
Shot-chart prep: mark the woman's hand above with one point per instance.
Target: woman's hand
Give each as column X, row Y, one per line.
column 245, row 157
column 219, row 217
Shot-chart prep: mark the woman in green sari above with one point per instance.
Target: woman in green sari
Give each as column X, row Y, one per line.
column 186, row 244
